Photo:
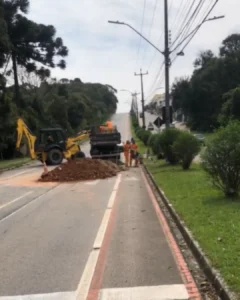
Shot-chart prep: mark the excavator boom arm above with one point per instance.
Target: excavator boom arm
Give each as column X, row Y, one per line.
column 23, row 129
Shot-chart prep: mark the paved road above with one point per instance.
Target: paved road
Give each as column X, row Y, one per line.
column 102, row 239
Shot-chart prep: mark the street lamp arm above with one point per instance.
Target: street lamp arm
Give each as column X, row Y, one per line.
column 126, row 24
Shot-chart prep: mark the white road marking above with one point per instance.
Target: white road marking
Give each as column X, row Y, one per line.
column 117, row 182
column 101, row 232
column 112, row 199
column 50, row 296
column 131, row 179
column 161, row 292
column 92, row 182
column 85, row 281
column 84, row 284
column 15, row 200
column 30, row 203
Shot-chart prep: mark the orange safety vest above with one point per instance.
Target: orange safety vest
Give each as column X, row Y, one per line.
column 126, row 148
column 134, row 147
column 109, row 124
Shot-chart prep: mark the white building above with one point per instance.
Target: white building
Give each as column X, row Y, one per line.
column 159, row 99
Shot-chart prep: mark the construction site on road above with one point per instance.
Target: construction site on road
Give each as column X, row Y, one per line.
column 82, row 169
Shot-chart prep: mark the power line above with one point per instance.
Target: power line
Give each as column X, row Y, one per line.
column 177, row 15
column 195, row 23
column 187, row 33
column 140, row 39
column 150, row 30
column 183, row 25
column 197, row 29
column 190, row 20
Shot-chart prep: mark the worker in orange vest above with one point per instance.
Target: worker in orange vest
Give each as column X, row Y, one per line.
column 109, row 124
column 134, row 153
column 126, row 149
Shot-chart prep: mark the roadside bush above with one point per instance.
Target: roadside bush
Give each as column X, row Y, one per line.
column 154, row 144
column 166, row 140
column 186, row 147
column 221, row 159
column 140, row 133
column 145, row 137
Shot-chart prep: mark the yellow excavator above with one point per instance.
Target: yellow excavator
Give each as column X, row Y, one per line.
column 51, row 145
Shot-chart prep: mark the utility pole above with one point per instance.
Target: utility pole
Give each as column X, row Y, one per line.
column 143, row 111
column 167, row 64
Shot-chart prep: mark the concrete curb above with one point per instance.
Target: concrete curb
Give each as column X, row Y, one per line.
column 212, row 274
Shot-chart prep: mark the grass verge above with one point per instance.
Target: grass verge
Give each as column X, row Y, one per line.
column 141, row 147
column 13, row 163
column 213, row 220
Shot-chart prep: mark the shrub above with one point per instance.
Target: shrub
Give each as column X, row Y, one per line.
column 166, row 140
column 221, row 159
column 140, row 133
column 186, row 147
column 154, row 144
column 145, row 136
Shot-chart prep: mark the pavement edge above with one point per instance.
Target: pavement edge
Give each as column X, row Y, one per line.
column 213, row 275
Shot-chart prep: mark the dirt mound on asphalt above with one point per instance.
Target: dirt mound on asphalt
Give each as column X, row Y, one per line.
column 82, row 169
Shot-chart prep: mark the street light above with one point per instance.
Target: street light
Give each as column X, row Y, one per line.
column 128, row 25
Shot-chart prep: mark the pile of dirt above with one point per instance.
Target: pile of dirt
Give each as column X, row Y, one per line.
column 82, row 169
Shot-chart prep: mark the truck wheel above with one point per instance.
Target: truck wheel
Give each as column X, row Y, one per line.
column 55, row 157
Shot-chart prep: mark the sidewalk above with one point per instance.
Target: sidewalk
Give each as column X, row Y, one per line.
column 139, row 259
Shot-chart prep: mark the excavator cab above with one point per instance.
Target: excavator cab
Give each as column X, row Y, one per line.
column 53, row 142
column 49, row 136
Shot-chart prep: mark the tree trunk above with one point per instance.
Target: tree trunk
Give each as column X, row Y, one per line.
column 16, row 83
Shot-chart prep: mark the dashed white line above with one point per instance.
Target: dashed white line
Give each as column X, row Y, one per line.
column 85, row 281
column 101, row 232
column 84, row 284
column 112, row 199
column 15, row 200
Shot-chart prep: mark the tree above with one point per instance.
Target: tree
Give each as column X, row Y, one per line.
column 202, row 97
column 231, row 46
column 204, row 59
column 231, row 107
column 31, row 43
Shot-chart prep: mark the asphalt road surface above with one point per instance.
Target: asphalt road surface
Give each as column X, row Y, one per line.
column 95, row 240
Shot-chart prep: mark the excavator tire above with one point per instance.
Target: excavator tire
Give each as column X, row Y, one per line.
column 55, row 157
column 80, row 154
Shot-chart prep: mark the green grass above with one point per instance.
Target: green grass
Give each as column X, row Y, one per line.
column 213, row 219
column 13, row 163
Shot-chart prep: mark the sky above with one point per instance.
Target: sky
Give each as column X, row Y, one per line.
column 111, row 54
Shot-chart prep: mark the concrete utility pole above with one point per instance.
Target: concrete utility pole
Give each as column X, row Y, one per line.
column 167, row 64
column 143, row 111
